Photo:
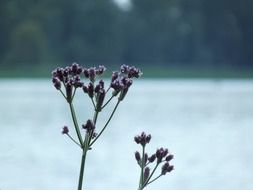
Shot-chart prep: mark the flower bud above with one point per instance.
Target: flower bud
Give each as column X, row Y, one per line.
column 100, row 99
column 65, row 130
column 115, row 75
column 69, row 92
column 169, row 157
column 146, row 173
column 86, row 72
column 137, row 156
column 92, row 74
column 100, row 70
column 166, row 168
column 90, row 90
column 57, row 83
column 152, row 158
column 89, row 126
column 124, row 69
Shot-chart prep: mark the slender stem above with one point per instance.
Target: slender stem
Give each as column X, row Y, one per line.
column 108, row 89
column 141, row 184
column 63, row 94
column 80, row 181
column 147, row 181
column 76, row 124
column 105, row 124
column 93, row 103
column 74, row 140
column 107, row 102
column 154, row 179
column 73, row 95
column 95, row 117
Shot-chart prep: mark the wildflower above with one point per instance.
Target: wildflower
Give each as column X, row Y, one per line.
column 160, row 154
column 146, row 173
column 166, row 168
column 89, row 126
column 169, row 157
column 142, row 139
column 65, row 130
column 137, row 156
column 100, row 99
column 152, row 158
column 100, row 70
column 89, row 90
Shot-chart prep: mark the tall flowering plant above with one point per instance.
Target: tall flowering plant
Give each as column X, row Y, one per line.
column 71, row 78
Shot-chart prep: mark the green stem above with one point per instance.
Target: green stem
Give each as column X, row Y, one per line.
column 107, row 102
column 76, row 124
column 105, row 124
column 63, row 94
column 74, row 140
column 154, row 179
column 73, row 95
column 147, row 181
column 141, row 184
column 80, row 181
column 93, row 103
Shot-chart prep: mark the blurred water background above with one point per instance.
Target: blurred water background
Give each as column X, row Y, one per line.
column 206, row 124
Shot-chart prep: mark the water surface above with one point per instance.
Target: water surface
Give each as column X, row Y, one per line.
column 206, row 124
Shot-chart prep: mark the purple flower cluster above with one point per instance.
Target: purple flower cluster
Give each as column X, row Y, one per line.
column 121, row 81
column 98, row 91
column 92, row 72
column 166, row 168
column 90, row 128
column 65, row 130
column 142, row 139
column 70, row 78
column 161, row 155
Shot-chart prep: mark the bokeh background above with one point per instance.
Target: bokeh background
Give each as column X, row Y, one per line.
column 195, row 96
column 170, row 38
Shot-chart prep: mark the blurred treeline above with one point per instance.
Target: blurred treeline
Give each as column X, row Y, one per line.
column 177, row 33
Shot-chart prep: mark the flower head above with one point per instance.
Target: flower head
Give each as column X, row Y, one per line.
column 166, row 168
column 142, row 139
column 89, row 126
column 65, row 130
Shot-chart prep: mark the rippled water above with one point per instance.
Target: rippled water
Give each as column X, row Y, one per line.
column 206, row 124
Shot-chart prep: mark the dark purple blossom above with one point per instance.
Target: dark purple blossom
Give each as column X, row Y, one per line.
column 65, row 130
column 121, row 81
column 115, row 75
column 142, row 139
column 117, row 85
column 146, row 173
column 69, row 88
column 169, row 157
column 92, row 72
column 57, row 83
column 145, row 158
column 137, row 156
column 124, row 69
column 100, row 70
column 90, row 90
column 166, row 168
column 134, row 72
column 160, row 154
column 89, row 126
column 100, row 99
column 152, row 158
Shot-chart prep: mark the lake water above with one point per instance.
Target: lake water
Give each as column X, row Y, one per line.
column 206, row 124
